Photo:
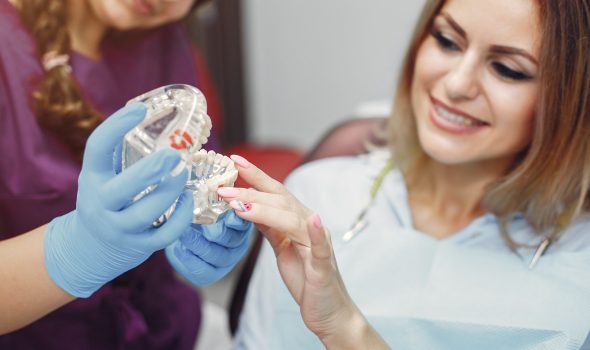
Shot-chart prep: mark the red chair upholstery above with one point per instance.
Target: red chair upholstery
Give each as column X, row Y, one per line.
column 351, row 137
column 276, row 161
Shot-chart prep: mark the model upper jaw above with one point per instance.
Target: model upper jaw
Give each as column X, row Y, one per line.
column 176, row 117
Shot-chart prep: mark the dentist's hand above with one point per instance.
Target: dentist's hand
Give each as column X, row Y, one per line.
column 206, row 253
column 107, row 234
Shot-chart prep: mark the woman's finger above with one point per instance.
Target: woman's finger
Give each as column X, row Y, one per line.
column 252, row 195
column 256, row 177
column 321, row 247
column 289, row 222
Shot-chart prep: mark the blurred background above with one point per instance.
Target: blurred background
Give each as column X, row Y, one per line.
column 288, row 70
column 285, row 73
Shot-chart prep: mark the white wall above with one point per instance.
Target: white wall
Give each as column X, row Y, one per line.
column 310, row 63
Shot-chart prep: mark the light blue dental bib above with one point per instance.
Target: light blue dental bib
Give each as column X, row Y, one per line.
column 440, row 295
column 468, row 291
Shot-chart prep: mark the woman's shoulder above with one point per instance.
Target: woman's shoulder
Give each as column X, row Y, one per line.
column 576, row 238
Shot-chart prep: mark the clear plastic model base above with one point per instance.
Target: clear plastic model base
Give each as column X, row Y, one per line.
column 177, row 118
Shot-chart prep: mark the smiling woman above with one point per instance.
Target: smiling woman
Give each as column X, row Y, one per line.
column 478, row 236
column 66, row 65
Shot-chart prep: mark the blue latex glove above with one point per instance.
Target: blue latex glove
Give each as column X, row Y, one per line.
column 108, row 235
column 206, row 253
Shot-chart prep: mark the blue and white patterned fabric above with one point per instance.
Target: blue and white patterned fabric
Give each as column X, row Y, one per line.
column 468, row 291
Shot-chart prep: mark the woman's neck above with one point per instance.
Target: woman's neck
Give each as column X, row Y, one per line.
column 86, row 30
column 445, row 198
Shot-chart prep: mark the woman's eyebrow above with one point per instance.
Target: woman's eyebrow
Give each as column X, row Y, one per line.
column 499, row 49
column 454, row 24
column 509, row 50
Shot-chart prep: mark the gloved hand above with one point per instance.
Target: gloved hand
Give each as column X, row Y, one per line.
column 107, row 234
column 206, row 253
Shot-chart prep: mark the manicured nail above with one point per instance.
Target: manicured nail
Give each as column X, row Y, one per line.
column 241, row 161
column 317, row 222
column 228, row 192
column 240, row 206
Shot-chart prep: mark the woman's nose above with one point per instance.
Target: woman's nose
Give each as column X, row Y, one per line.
column 462, row 81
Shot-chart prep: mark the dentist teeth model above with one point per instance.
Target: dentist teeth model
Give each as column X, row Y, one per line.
column 209, row 171
column 177, row 118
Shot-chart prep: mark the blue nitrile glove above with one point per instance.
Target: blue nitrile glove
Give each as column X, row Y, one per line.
column 108, row 235
column 206, row 253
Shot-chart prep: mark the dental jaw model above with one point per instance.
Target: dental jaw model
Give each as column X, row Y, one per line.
column 210, row 171
column 177, row 117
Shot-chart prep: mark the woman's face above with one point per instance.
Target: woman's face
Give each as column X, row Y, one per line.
column 475, row 86
column 136, row 14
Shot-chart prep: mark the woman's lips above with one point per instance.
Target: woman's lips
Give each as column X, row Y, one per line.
column 453, row 120
column 143, row 7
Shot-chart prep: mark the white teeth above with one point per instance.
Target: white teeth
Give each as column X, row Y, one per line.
column 456, row 118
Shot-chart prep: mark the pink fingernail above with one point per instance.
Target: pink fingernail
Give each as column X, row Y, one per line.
column 317, row 221
column 228, row 192
column 241, row 161
column 240, row 206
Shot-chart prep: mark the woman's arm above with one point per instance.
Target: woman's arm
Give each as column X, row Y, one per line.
column 305, row 259
column 27, row 293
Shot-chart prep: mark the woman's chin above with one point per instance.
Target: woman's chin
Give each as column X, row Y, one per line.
column 447, row 155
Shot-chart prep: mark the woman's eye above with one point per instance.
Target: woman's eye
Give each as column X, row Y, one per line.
column 509, row 73
column 445, row 42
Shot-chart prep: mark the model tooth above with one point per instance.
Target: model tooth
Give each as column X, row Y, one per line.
column 231, row 178
column 213, row 184
column 197, row 157
column 210, row 157
column 199, row 170
column 225, row 161
column 222, row 180
column 203, row 140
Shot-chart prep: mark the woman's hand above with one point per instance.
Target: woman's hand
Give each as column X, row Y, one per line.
column 305, row 258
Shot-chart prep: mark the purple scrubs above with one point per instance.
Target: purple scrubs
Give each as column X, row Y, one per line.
column 146, row 308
